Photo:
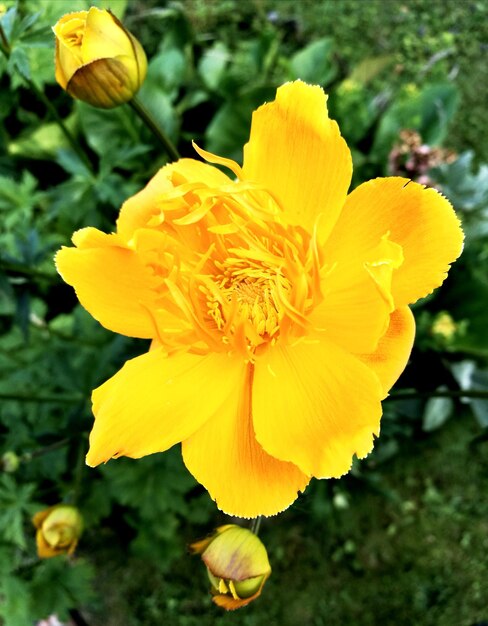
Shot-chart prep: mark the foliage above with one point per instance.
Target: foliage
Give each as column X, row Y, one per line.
column 211, row 65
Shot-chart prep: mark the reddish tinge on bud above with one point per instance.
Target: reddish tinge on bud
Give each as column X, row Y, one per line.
column 237, row 565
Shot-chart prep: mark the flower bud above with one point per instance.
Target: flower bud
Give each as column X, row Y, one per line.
column 237, row 565
column 10, row 462
column 444, row 326
column 97, row 59
column 58, row 530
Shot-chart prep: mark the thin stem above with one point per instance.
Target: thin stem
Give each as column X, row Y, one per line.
column 412, row 395
column 80, row 466
column 27, row 456
column 5, row 49
column 54, row 397
column 256, row 524
column 150, row 122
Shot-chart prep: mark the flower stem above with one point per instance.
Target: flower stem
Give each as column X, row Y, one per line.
column 6, row 51
column 27, row 456
column 150, row 122
column 256, row 523
column 412, row 395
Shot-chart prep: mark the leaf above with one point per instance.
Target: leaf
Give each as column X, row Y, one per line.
column 229, row 129
column 15, row 504
column 167, row 71
column 436, row 413
column 369, row 68
column 15, row 602
column 314, row 64
column 428, row 111
column 213, row 63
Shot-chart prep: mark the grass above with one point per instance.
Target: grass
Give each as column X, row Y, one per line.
column 411, row 551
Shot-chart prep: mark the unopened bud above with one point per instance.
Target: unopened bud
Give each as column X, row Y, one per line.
column 58, row 530
column 237, row 565
column 97, row 59
column 10, row 462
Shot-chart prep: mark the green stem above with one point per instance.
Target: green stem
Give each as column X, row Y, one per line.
column 27, row 456
column 150, row 122
column 5, row 49
column 54, row 397
column 28, row 271
column 80, row 466
column 412, row 395
column 256, row 523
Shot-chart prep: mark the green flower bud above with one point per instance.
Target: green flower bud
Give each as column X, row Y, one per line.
column 10, row 462
column 237, row 565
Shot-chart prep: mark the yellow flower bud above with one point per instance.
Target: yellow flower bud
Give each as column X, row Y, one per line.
column 444, row 326
column 58, row 530
column 97, row 59
column 237, row 565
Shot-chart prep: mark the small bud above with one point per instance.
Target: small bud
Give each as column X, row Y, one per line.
column 97, row 59
column 237, row 565
column 10, row 462
column 58, row 530
column 444, row 326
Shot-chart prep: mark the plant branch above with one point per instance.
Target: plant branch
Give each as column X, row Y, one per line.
column 413, row 395
column 150, row 122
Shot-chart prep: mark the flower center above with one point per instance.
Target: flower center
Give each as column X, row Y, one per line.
column 247, row 300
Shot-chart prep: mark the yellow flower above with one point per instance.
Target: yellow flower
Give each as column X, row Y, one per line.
column 237, row 565
column 58, row 530
column 97, row 59
column 276, row 303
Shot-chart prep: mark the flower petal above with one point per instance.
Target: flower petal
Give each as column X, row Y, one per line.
column 316, row 406
column 298, row 153
column 391, row 356
column 420, row 220
column 226, row 459
column 110, row 281
column 138, row 209
column 155, row 401
column 104, row 37
column 354, row 314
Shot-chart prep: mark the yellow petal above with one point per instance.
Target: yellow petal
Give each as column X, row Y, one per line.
column 316, row 406
column 138, row 210
column 297, row 152
column 155, row 401
column 226, row 459
column 69, row 31
column 104, row 37
column 354, row 314
column 110, row 281
column 391, row 356
column 420, row 220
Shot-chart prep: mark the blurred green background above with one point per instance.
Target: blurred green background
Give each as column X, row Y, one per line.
column 401, row 540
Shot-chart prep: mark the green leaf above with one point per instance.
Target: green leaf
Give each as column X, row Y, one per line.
column 437, row 411
column 167, row 71
column 15, row 504
column 315, row 63
column 15, row 602
column 213, row 63
column 428, row 111
column 59, row 585
column 229, row 129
